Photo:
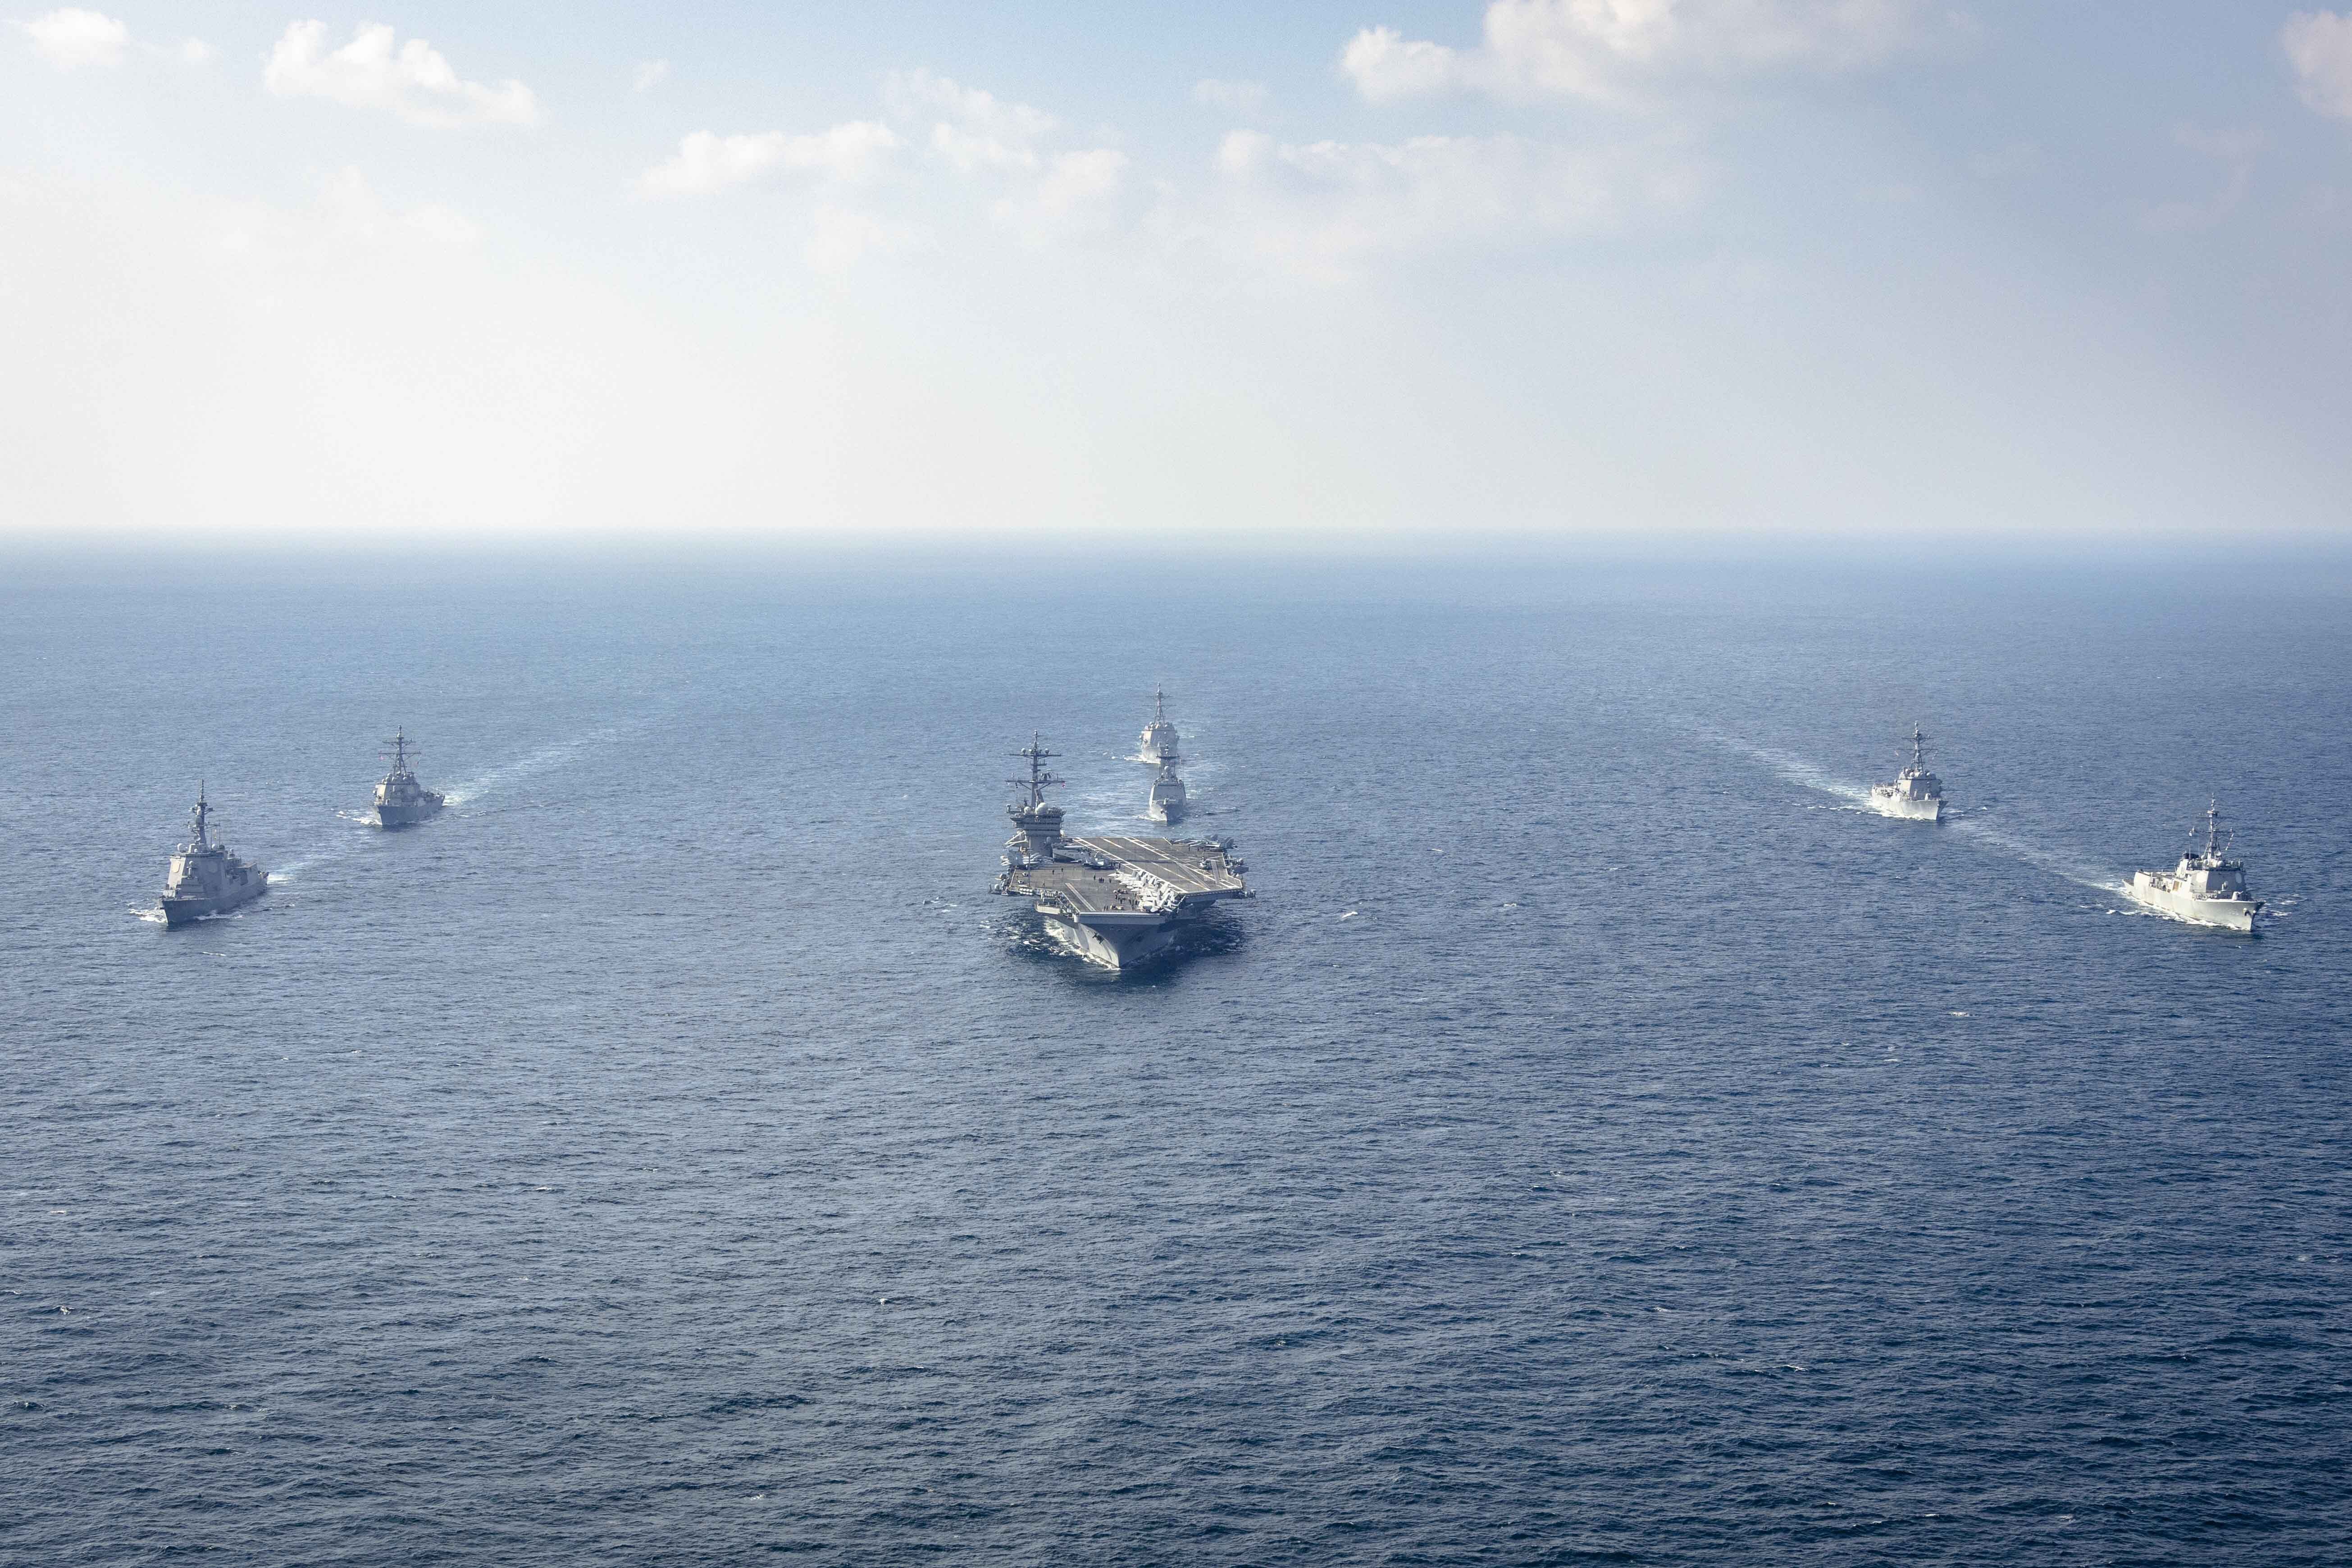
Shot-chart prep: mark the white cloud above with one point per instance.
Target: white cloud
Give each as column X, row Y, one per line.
column 840, row 237
column 2235, row 146
column 2318, row 45
column 2234, row 149
column 1603, row 49
column 357, row 216
column 1386, row 66
column 1233, row 97
column 71, row 39
column 971, row 129
column 1321, row 209
column 413, row 81
column 650, row 75
column 196, row 52
column 1046, row 193
column 350, row 217
column 1076, row 179
column 707, row 161
column 1075, row 191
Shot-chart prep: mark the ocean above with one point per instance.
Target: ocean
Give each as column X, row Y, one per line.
column 1596, row 1141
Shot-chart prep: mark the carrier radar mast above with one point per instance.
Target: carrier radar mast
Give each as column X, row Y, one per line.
column 1039, row 781
column 1036, row 823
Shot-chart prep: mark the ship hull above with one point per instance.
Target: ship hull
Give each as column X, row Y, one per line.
column 1907, row 809
column 180, row 911
column 407, row 816
column 1114, row 943
column 2223, row 914
column 1115, row 900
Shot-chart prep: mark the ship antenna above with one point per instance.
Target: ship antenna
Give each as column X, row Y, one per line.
column 201, row 811
column 1158, row 704
column 1039, row 779
column 2212, row 825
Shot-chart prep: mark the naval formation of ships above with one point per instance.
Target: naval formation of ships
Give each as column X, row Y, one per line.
column 1120, row 901
column 2207, row 888
column 1112, row 899
column 204, row 879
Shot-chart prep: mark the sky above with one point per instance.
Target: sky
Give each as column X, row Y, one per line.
column 1338, row 274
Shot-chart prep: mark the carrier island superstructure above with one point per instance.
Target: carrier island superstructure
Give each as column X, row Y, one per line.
column 1113, row 900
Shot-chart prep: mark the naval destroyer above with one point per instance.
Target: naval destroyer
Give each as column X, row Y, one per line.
column 1159, row 742
column 1159, row 747
column 1916, row 793
column 1167, row 805
column 2207, row 888
column 1113, row 900
column 204, row 878
column 400, row 800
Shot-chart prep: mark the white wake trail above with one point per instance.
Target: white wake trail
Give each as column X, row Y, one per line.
column 1795, row 769
column 2050, row 861
column 359, row 825
column 1803, row 773
column 538, row 761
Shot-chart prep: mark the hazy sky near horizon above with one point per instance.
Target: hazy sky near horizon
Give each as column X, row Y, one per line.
column 1341, row 269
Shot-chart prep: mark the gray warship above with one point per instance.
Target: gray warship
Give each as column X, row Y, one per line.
column 1159, row 742
column 1113, row 900
column 400, row 800
column 204, row 878
column 1166, row 803
column 1915, row 795
column 2208, row 888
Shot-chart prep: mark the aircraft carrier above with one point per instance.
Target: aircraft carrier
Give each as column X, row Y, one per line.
column 1112, row 899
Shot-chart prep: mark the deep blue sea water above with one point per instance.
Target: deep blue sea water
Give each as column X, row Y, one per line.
column 1597, row 1142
